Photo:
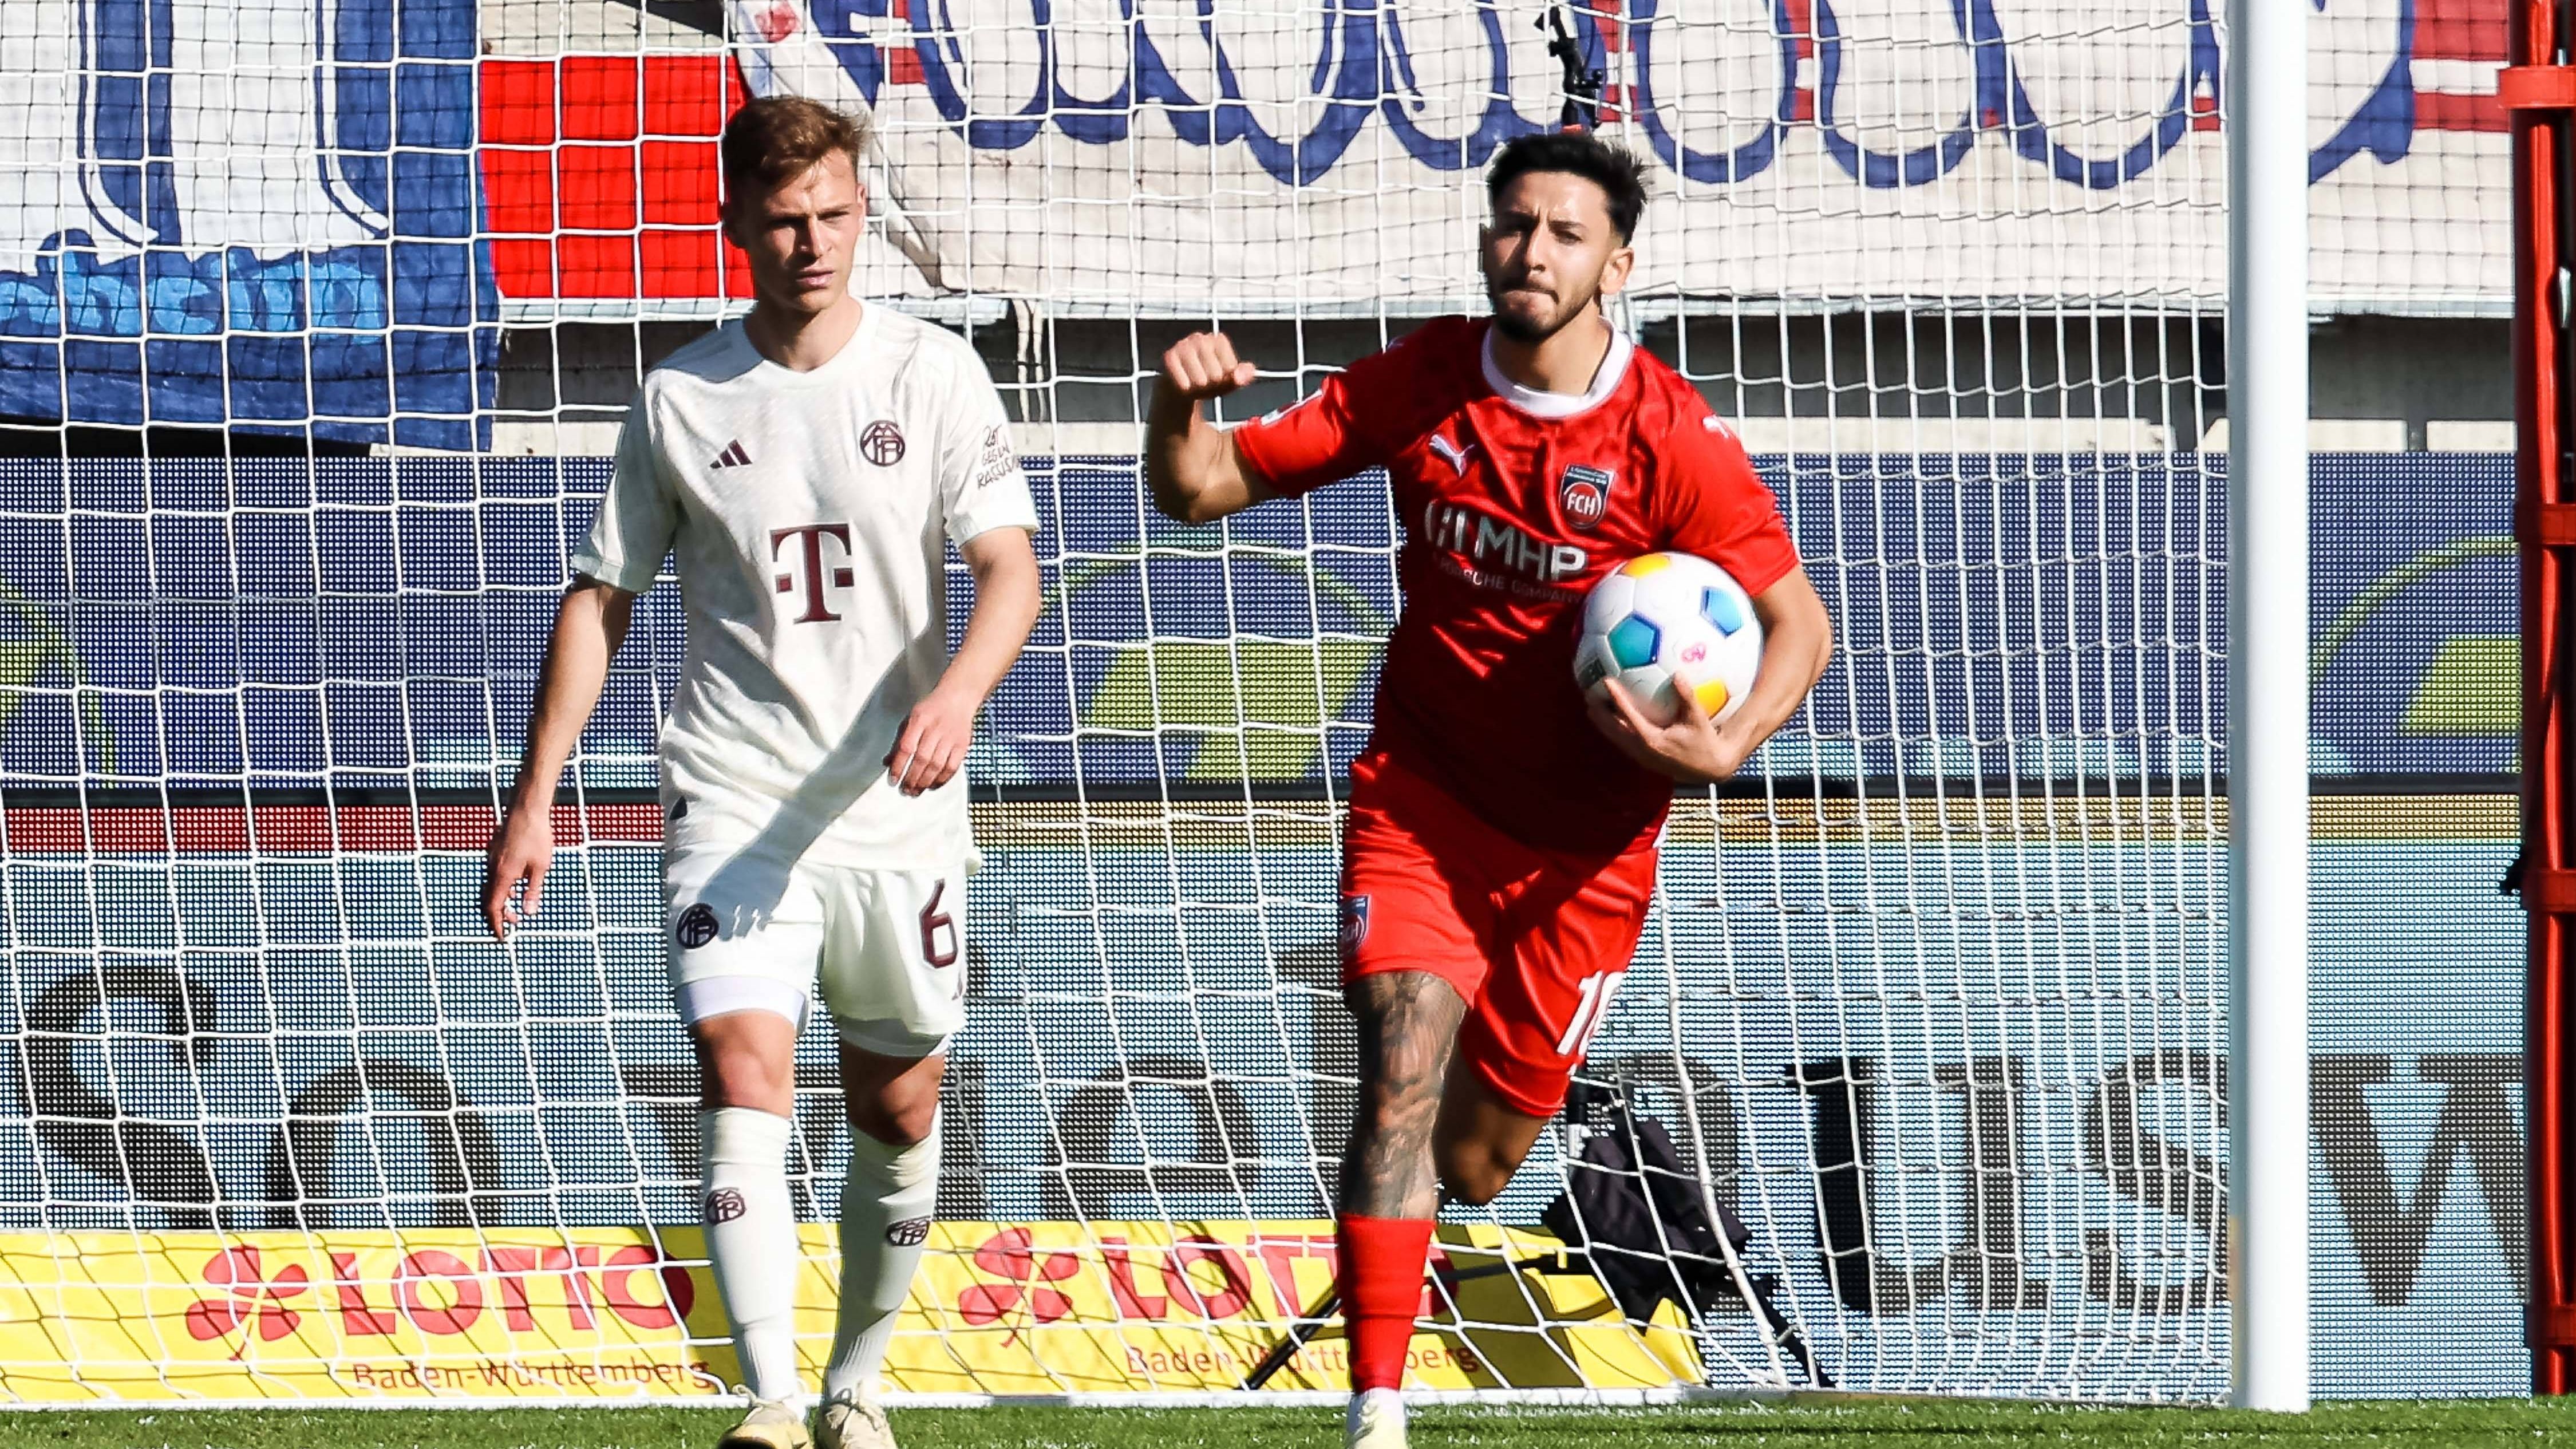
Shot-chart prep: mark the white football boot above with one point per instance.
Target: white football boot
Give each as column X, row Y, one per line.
column 768, row 1426
column 858, row 1423
column 1376, row 1420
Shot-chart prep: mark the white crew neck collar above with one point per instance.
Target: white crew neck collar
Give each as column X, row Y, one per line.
column 1541, row 404
column 860, row 339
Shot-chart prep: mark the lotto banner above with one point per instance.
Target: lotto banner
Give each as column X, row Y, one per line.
column 617, row 1313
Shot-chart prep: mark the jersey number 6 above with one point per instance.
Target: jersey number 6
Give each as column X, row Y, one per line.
column 938, row 949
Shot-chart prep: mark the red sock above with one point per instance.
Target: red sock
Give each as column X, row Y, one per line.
column 1381, row 1282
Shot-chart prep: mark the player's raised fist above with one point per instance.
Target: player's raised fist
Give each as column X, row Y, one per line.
column 1203, row 365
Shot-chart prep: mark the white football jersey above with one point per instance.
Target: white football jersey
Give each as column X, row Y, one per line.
column 804, row 513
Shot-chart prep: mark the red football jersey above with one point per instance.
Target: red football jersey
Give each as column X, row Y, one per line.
column 1513, row 503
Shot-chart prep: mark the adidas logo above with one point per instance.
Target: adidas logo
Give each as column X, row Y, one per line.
column 734, row 456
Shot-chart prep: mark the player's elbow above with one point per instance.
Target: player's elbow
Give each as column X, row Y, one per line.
column 1182, row 494
column 1800, row 629
column 1200, row 484
column 1172, row 500
column 1189, row 505
column 593, row 613
column 1822, row 649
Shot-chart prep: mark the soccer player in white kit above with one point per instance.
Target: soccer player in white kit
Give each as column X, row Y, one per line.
column 803, row 466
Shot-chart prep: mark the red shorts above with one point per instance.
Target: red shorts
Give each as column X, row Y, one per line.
column 1534, row 940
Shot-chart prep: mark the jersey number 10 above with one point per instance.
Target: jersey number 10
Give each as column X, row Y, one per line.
column 1591, row 1004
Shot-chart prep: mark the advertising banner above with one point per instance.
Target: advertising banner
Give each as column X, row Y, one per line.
column 1904, row 1103
column 314, row 218
column 361, row 594
column 1325, row 155
column 606, row 1313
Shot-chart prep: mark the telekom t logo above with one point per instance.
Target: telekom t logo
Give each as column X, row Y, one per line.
column 809, row 560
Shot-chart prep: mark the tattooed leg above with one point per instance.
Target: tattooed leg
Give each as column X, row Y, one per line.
column 1408, row 1025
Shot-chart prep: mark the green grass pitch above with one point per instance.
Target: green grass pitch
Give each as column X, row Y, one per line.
column 1907, row 1424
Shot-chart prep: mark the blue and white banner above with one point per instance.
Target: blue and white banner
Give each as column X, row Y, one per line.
column 255, row 213
column 1325, row 154
column 306, row 216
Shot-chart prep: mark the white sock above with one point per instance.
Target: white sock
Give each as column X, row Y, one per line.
column 886, row 1206
column 1384, row 1401
column 751, row 1239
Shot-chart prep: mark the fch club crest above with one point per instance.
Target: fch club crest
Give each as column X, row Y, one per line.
column 1355, row 921
column 1584, row 494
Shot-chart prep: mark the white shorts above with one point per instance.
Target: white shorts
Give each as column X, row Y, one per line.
column 749, row 930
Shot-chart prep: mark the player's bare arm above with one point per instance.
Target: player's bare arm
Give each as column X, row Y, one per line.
column 590, row 624
column 932, row 747
column 1191, row 464
column 1797, row 644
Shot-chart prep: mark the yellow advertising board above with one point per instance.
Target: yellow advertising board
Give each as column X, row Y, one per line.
column 1036, row 1308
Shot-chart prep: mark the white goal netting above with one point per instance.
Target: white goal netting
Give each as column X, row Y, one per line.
column 315, row 320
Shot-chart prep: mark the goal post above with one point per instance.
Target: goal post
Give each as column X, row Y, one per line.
column 2267, row 714
column 2537, row 88
column 1976, row 1000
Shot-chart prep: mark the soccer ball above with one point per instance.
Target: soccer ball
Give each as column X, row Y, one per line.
column 1668, row 621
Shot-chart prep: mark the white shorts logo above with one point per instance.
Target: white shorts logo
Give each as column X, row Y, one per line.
column 697, row 927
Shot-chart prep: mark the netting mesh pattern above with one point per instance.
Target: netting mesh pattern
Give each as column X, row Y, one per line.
column 1947, row 1034
column 1934, row 1000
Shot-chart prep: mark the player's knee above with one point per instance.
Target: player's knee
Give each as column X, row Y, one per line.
column 736, row 1076
column 897, row 1104
column 1403, row 1071
column 1392, row 1099
column 897, row 1118
column 734, row 1082
column 1395, row 1060
column 1473, row 1177
column 746, row 1058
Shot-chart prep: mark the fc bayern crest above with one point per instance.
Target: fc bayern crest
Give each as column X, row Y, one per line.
column 697, row 926
column 882, row 444
column 1584, row 495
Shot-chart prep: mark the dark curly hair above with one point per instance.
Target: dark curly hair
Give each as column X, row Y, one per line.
column 1620, row 174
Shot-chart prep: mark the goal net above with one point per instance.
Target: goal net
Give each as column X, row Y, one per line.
column 317, row 321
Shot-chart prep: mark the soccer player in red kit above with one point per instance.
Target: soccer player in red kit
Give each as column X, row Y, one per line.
column 1500, row 848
